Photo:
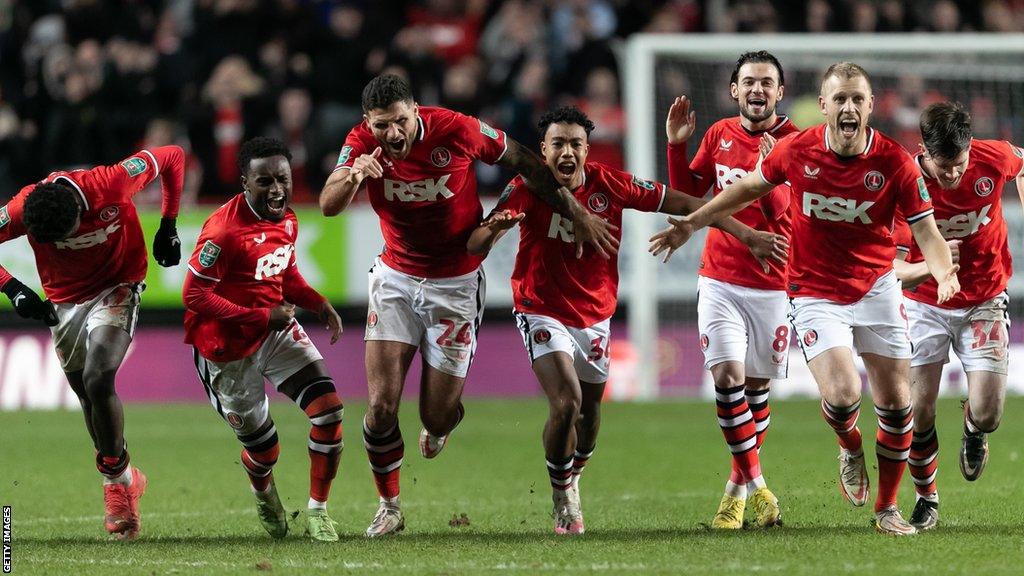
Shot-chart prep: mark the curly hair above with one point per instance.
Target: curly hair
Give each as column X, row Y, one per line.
column 261, row 147
column 568, row 115
column 51, row 212
column 385, row 90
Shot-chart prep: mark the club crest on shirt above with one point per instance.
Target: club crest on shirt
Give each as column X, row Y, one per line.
column 487, row 130
column 922, row 190
column 984, row 186
column 134, row 166
column 208, row 255
column 874, row 180
column 440, row 156
column 4, row 217
column 598, row 202
column 647, row 184
column 109, row 213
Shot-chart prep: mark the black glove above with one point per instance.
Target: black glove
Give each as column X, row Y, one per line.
column 166, row 245
column 28, row 304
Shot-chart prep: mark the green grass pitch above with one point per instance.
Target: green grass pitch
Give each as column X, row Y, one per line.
column 648, row 494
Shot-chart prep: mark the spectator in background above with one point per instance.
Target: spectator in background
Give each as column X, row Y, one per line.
column 449, row 29
column 294, row 110
column 863, row 16
column 166, row 132
column 601, row 104
column 515, row 35
column 945, row 16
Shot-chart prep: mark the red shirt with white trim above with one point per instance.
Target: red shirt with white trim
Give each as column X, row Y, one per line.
column 843, row 210
column 108, row 248
column 428, row 203
column 726, row 154
column 548, row 279
column 242, row 267
column 972, row 213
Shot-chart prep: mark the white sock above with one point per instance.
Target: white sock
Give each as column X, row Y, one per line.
column 263, row 494
column 389, row 501
column 735, row 490
column 756, row 483
column 933, row 497
column 317, row 505
column 124, row 478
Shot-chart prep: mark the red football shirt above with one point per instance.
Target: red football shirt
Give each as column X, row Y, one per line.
column 726, row 154
column 108, row 248
column 427, row 203
column 548, row 279
column 843, row 210
column 972, row 213
column 248, row 264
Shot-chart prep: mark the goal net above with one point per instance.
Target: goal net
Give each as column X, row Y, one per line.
column 908, row 72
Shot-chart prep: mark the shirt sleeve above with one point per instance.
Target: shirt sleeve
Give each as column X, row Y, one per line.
column 11, row 226
column 515, row 197
column 1013, row 162
column 479, row 140
column 901, row 234
column 199, row 296
column 170, row 166
column 772, row 167
column 210, row 259
column 912, row 196
column 352, row 149
column 640, row 194
column 131, row 175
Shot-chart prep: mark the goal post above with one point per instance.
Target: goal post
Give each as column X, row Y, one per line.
column 908, row 71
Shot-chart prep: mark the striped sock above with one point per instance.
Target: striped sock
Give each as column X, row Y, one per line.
column 115, row 469
column 740, row 433
column 320, row 401
column 560, row 472
column 579, row 462
column 843, row 419
column 924, row 461
column 259, row 454
column 892, row 446
column 757, row 400
column 385, row 451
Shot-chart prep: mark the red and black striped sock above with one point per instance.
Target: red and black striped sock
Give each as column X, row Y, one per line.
column 757, row 400
column 924, row 461
column 560, row 472
column 843, row 419
column 385, row 450
column 737, row 424
column 892, row 446
column 259, row 454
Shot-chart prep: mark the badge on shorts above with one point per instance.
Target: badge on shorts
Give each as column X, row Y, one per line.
column 4, row 217
column 704, row 342
column 810, row 338
column 234, row 420
column 134, row 166
column 984, row 186
column 208, row 255
column 541, row 336
column 488, row 131
column 371, row 319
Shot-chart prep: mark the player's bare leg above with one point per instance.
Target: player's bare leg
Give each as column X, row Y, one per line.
column 387, row 363
column 315, row 393
column 558, row 379
column 924, row 449
column 982, row 414
column 839, row 384
column 587, row 427
column 78, row 387
column 889, row 379
column 123, row 484
column 441, row 408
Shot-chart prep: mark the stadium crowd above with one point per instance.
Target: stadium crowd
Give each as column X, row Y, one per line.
column 86, row 81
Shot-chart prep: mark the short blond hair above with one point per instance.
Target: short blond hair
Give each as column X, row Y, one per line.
column 844, row 71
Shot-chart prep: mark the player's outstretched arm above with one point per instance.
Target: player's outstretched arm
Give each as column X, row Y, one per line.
column 491, row 230
column 938, row 257
column 912, row 274
column 731, row 200
column 166, row 244
column 587, row 228
column 764, row 245
column 342, row 184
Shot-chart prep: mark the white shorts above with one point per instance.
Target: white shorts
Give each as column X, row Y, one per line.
column 875, row 324
column 744, row 325
column 117, row 306
column 236, row 388
column 440, row 316
column 979, row 334
column 588, row 347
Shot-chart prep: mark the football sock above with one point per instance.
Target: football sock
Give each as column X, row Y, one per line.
column 740, row 432
column 843, row 419
column 924, row 461
column 320, row 401
column 560, row 472
column 385, row 451
column 259, row 454
column 892, row 446
column 757, row 401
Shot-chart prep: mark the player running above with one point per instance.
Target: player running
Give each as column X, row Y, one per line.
column 965, row 178
column 240, row 299
column 91, row 256
column 847, row 180
column 741, row 309
column 563, row 304
column 426, row 290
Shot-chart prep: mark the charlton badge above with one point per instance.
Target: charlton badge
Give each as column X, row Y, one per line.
column 440, row 156
column 598, row 202
column 810, row 338
column 704, row 342
column 109, row 213
column 234, row 420
column 371, row 319
column 984, row 186
column 874, row 180
column 541, row 336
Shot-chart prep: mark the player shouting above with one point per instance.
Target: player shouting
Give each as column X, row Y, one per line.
column 847, row 181
column 240, row 299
